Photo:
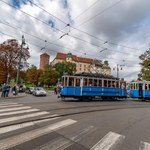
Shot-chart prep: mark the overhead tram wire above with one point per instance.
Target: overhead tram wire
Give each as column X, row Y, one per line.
column 63, row 47
column 53, row 43
column 16, row 28
column 93, row 56
column 86, row 21
column 86, row 9
column 48, row 24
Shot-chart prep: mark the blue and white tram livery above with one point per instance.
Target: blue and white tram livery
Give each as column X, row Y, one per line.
column 140, row 90
column 89, row 87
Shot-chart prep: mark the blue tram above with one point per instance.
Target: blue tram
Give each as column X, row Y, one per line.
column 140, row 90
column 89, row 86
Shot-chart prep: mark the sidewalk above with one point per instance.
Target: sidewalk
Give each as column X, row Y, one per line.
column 13, row 96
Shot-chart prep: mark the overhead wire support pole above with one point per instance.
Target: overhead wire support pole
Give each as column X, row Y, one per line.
column 19, row 63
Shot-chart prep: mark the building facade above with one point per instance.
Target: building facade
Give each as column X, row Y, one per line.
column 83, row 64
column 44, row 60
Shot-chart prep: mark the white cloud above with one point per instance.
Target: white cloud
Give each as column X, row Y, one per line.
column 126, row 24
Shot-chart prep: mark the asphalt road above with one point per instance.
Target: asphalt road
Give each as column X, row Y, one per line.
column 47, row 123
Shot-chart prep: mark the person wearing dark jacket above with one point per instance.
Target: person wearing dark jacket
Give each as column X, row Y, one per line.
column 7, row 90
column 4, row 90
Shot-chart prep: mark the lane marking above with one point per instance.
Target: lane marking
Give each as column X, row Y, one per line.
column 30, row 135
column 18, row 112
column 109, row 141
column 6, row 103
column 16, row 108
column 9, row 106
column 62, row 143
column 23, row 125
column 23, row 117
column 144, row 146
column 56, row 144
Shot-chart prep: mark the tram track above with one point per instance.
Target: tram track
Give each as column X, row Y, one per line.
column 75, row 113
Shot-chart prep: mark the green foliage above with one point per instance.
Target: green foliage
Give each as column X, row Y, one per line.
column 106, row 62
column 33, row 75
column 65, row 67
column 49, row 76
column 145, row 64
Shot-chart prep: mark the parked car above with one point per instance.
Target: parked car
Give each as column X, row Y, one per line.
column 21, row 89
column 39, row 91
column 29, row 90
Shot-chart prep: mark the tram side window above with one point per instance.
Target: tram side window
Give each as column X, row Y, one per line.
column 65, row 81
column 117, row 84
column 109, row 83
column 131, row 86
column 100, row 83
column 77, row 82
column 105, row 83
column 85, row 81
column 113, row 84
column 71, row 81
column 95, row 82
column 137, row 86
column 147, row 86
column 90, row 82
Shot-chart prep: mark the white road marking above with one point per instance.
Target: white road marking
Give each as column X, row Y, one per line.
column 16, row 108
column 108, row 142
column 144, row 146
column 5, row 103
column 23, row 117
column 23, row 125
column 9, row 106
column 30, row 135
column 54, row 144
column 18, row 112
column 62, row 143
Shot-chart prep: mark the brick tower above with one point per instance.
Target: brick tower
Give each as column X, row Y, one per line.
column 44, row 60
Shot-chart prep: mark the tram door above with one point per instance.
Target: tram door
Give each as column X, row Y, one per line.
column 140, row 90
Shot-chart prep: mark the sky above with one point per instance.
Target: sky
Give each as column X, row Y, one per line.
column 113, row 30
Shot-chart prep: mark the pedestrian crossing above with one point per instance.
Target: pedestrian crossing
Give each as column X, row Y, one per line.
column 10, row 112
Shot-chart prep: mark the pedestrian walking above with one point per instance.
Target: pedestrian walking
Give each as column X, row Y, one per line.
column 14, row 90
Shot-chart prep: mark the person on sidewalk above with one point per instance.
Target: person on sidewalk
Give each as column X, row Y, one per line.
column 3, row 90
column 14, row 90
column 7, row 90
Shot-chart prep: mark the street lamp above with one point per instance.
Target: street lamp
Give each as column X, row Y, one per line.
column 119, row 67
column 20, row 56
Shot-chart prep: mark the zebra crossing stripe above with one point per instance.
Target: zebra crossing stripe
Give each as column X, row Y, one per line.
column 30, row 135
column 108, row 142
column 9, row 106
column 61, row 143
column 23, row 125
column 23, row 117
column 144, row 146
column 18, row 112
column 2, row 104
column 16, row 108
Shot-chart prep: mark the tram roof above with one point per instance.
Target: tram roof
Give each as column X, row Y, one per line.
column 94, row 75
column 148, row 82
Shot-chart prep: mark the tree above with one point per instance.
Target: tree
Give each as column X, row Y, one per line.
column 33, row 75
column 10, row 52
column 145, row 64
column 49, row 77
column 65, row 67
column 106, row 63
